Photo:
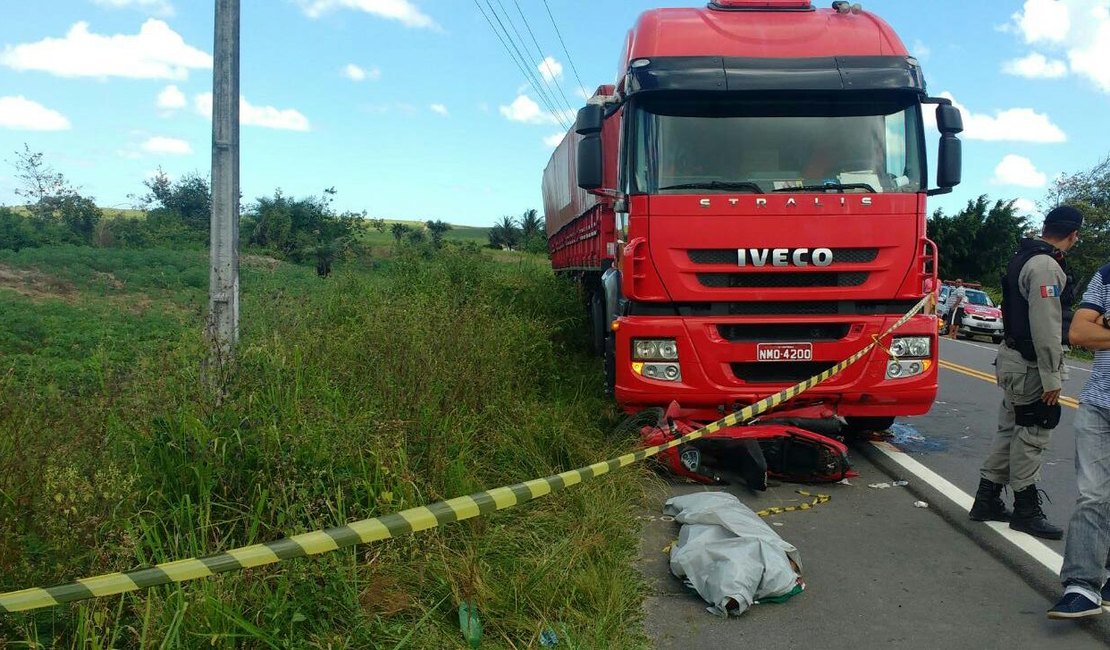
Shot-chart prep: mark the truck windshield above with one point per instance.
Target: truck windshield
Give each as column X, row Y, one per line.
column 800, row 142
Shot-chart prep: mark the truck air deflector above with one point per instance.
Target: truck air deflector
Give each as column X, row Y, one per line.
column 705, row 73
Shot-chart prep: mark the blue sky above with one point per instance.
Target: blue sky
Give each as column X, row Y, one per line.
column 413, row 110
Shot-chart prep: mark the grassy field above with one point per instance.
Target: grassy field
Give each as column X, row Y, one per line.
column 375, row 390
column 478, row 235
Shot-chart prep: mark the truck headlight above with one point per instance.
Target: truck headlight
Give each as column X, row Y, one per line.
column 654, row 350
column 906, row 368
column 658, row 371
column 911, row 346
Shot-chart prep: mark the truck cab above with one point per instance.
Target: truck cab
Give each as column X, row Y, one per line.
column 745, row 207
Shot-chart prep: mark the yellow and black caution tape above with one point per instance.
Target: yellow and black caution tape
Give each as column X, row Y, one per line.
column 818, row 499
column 399, row 523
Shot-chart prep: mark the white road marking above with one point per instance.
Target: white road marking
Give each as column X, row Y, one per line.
column 1030, row 545
column 983, row 347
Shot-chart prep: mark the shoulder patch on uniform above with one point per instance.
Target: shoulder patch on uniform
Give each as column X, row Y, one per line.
column 1050, row 291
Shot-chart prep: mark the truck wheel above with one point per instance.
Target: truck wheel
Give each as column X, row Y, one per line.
column 858, row 425
column 597, row 323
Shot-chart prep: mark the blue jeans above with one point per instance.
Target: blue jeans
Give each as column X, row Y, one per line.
column 1087, row 554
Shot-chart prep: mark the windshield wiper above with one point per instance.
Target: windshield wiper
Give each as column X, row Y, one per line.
column 717, row 185
column 827, row 186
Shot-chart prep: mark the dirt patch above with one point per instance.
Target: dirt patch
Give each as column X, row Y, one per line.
column 36, row 284
column 260, row 262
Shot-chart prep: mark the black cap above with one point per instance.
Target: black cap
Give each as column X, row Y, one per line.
column 1064, row 216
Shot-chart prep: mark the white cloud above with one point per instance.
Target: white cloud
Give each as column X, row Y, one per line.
column 550, row 69
column 921, row 50
column 1026, row 206
column 22, row 114
column 1018, row 170
column 156, row 52
column 554, row 139
column 1011, row 124
column 525, row 109
column 1043, row 21
column 154, row 7
column 162, row 145
column 266, row 117
column 1035, row 66
column 1078, row 29
column 439, row 108
column 583, row 93
column 353, row 72
column 403, row 11
column 358, row 73
column 171, row 98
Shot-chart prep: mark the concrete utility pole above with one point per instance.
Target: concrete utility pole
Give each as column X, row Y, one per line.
column 223, row 290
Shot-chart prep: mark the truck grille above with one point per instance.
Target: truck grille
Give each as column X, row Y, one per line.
column 730, row 256
column 779, row 372
column 772, row 308
column 784, row 332
column 782, row 279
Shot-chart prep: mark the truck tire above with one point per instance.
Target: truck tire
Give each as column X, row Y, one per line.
column 858, row 425
column 610, row 365
column 597, row 323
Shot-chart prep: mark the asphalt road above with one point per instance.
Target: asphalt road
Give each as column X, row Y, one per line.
column 883, row 573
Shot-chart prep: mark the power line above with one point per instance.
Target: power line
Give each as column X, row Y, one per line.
column 581, row 85
column 539, row 50
column 519, row 61
column 535, row 80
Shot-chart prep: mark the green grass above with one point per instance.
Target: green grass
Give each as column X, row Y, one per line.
column 478, row 235
column 111, row 213
column 372, row 391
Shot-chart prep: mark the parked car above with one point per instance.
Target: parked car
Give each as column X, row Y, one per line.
column 981, row 317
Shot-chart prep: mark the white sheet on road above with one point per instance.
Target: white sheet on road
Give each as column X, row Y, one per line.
column 726, row 552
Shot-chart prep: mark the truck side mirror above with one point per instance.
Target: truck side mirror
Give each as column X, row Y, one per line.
column 949, row 162
column 589, row 120
column 949, row 119
column 589, row 162
column 950, row 152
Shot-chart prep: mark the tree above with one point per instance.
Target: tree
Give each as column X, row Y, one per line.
column 531, row 224
column 438, row 229
column 1089, row 192
column 399, row 230
column 977, row 242
column 378, row 224
column 52, row 200
column 189, row 198
column 533, row 232
column 505, row 234
column 16, row 232
column 303, row 229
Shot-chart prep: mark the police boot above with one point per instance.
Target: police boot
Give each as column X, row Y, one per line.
column 1028, row 516
column 988, row 504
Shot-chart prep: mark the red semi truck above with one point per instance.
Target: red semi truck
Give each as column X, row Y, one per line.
column 745, row 207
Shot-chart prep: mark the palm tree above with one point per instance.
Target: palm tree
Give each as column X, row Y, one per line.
column 399, row 230
column 531, row 224
column 505, row 234
column 438, row 228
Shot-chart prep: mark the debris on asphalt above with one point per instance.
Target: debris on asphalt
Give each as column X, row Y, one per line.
column 883, row 486
column 920, row 504
column 844, row 481
column 730, row 556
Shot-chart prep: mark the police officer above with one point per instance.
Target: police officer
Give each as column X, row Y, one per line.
column 1037, row 294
